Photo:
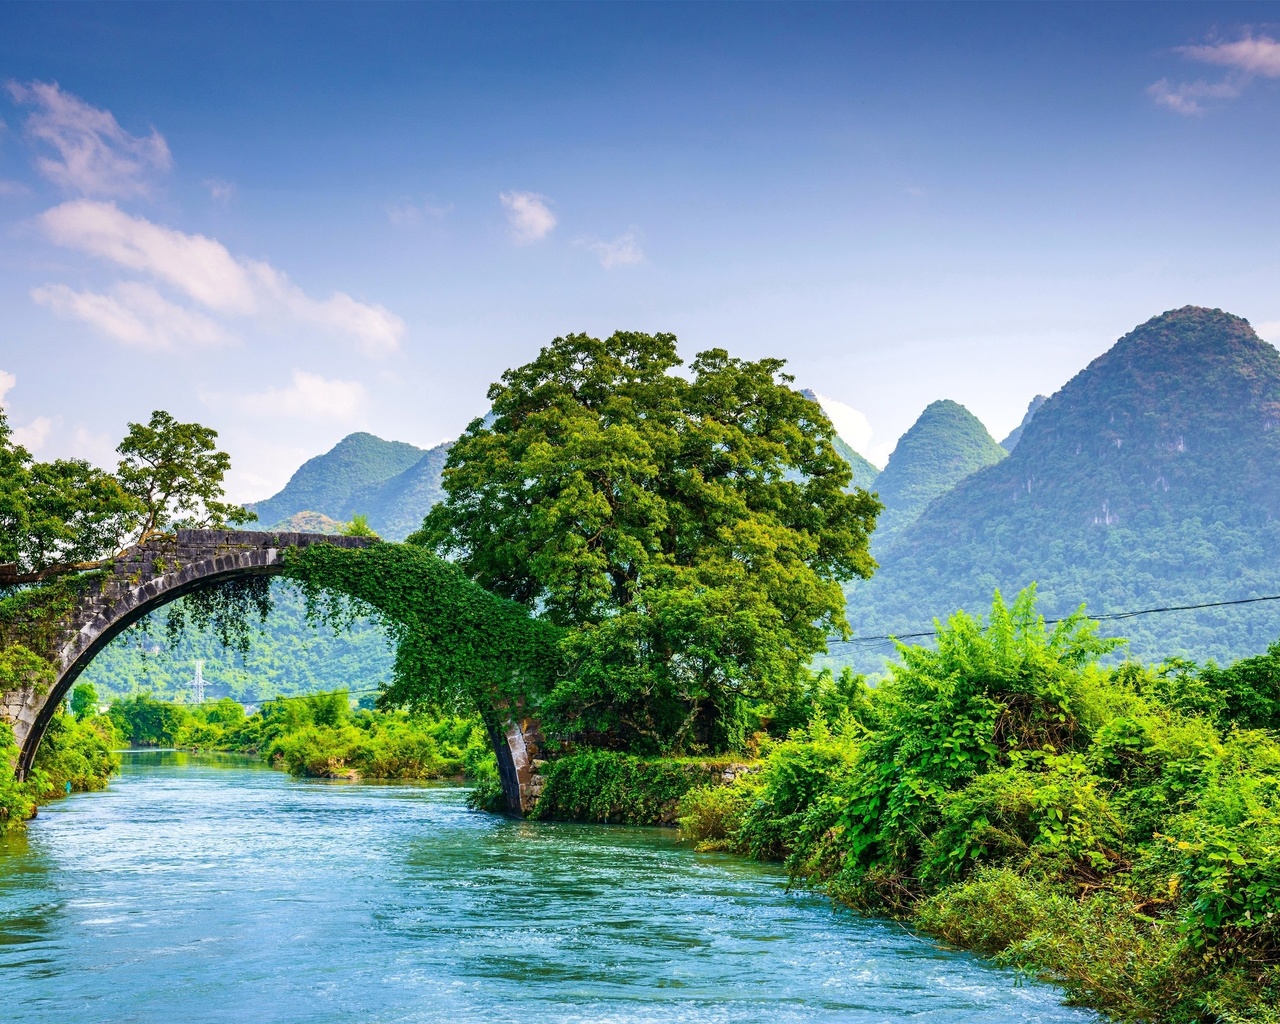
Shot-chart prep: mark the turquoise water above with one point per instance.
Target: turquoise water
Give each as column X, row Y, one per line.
column 210, row 890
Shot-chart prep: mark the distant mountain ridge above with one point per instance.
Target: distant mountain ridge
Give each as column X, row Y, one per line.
column 395, row 484
column 391, row 482
column 1151, row 478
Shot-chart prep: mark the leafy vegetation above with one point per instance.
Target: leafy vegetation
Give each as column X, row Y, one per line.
column 317, row 735
column 76, row 756
column 1115, row 829
column 686, row 534
column 287, row 655
column 65, row 516
column 611, row 787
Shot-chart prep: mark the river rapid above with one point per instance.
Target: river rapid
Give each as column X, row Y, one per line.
column 212, row 889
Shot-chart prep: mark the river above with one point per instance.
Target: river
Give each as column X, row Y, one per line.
column 212, row 889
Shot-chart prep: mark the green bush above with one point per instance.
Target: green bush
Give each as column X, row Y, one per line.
column 613, row 788
column 712, row 816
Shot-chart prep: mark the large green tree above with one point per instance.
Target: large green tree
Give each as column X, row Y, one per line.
column 57, row 516
column 175, row 472
column 66, row 515
column 689, row 530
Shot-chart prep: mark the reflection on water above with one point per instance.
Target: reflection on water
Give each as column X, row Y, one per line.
column 213, row 889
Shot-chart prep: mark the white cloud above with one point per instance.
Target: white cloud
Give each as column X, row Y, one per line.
column 623, row 251
column 134, row 314
column 310, row 397
column 852, row 425
column 7, row 382
column 95, row 156
column 33, row 435
column 220, row 191
column 12, row 188
column 1185, row 97
column 1260, row 56
column 202, row 267
column 528, row 216
column 99, row 449
column 1244, row 59
column 1269, row 330
column 207, row 272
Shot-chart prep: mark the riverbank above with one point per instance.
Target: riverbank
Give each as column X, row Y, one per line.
column 1113, row 829
column 316, row 736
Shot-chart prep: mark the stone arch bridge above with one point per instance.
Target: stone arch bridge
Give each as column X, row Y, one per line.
column 149, row 576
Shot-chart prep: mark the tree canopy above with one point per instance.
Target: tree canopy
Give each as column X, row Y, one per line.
column 688, row 531
column 175, row 472
column 65, row 515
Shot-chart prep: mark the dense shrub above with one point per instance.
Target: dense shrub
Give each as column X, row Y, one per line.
column 609, row 787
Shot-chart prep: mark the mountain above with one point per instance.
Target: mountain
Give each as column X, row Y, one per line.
column 396, row 507
column 1011, row 442
column 1151, row 479
column 864, row 473
column 324, row 483
column 307, row 522
column 943, row 446
column 391, row 482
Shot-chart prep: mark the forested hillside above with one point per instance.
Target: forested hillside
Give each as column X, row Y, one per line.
column 289, row 655
column 1150, row 479
column 943, row 446
column 390, row 482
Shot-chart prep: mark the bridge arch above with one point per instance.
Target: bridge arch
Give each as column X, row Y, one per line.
column 150, row 575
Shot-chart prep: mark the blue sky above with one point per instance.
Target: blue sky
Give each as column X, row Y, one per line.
column 291, row 222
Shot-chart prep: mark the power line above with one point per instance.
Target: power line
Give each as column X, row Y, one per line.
column 1107, row 617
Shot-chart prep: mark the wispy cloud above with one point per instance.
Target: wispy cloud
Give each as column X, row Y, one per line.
column 203, row 269
column 528, row 216
column 1253, row 55
column 623, row 251
column 1185, row 97
column 92, row 154
column 134, row 314
column 406, row 214
column 309, row 397
column 197, row 265
column 1245, row 59
column 12, row 188
column 221, row 192
column 33, row 436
